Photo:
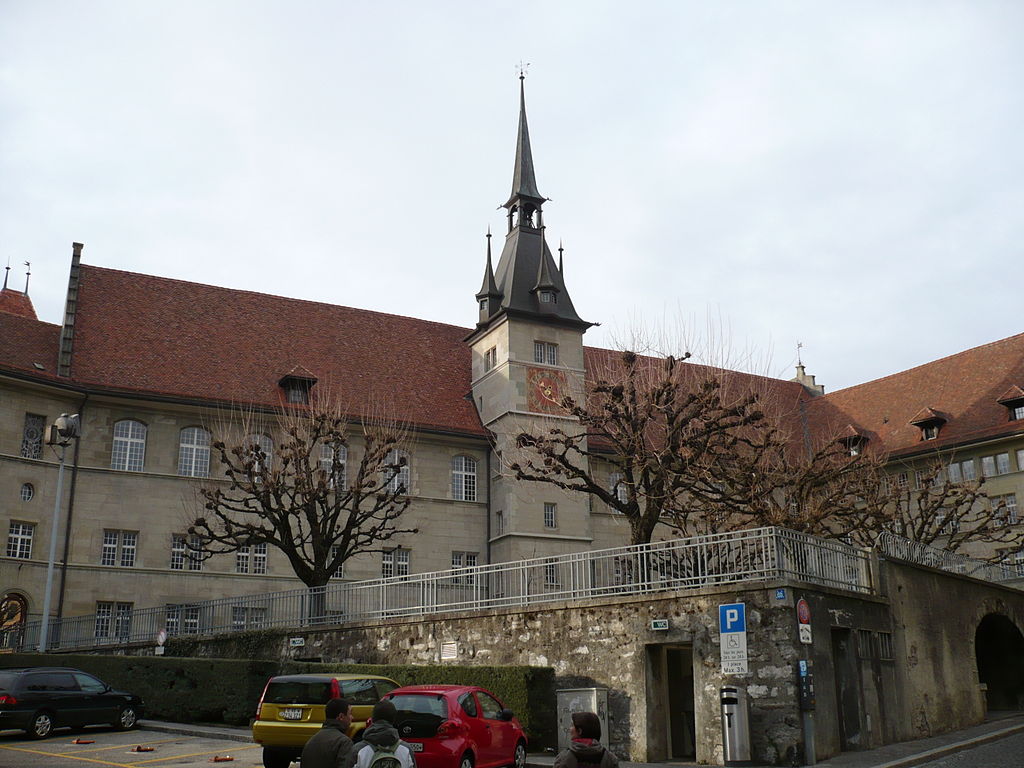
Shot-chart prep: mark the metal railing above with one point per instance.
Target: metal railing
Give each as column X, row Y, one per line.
column 701, row 561
column 934, row 557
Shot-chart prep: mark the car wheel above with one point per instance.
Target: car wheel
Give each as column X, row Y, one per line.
column 276, row 758
column 466, row 761
column 41, row 725
column 519, row 756
column 127, row 719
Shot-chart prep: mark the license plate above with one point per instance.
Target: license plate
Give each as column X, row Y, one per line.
column 415, row 746
column 291, row 714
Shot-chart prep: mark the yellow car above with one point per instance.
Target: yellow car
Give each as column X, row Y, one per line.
column 291, row 710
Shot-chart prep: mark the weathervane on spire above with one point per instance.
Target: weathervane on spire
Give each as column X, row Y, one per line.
column 522, row 69
column 799, row 345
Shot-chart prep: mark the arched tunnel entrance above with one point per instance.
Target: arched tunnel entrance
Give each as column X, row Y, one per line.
column 999, row 648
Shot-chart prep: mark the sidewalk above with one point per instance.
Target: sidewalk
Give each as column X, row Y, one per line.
column 902, row 755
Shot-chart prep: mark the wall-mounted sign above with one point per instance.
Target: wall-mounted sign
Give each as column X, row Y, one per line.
column 449, row 651
column 803, row 617
column 297, row 642
column 659, row 625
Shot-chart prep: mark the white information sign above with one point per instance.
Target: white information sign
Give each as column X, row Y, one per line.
column 805, row 634
column 732, row 625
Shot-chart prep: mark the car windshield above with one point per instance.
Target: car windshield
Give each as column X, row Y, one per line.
column 7, row 680
column 298, row 692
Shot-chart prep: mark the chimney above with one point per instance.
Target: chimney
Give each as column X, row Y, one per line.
column 807, row 381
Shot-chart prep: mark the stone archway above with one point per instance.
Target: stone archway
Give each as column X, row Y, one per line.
column 13, row 613
column 999, row 651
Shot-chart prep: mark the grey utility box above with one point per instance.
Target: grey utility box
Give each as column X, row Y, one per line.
column 735, row 726
column 571, row 700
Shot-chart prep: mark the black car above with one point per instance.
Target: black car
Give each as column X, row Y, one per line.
column 39, row 699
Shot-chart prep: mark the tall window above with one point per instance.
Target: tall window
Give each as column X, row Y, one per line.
column 266, row 445
column 183, row 558
column 251, row 558
column 490, row 358
column 1020, row 459
column 550, row 515
column 194, row 452
column 545, row 352
column 119, row 548
column 461, row 561
column 463, row 478
column 962, row 471
column 19, row 540
column 113, row 620
column 32, row 436
column 617, row 487
column 129, row 452
column 551, row 580
column 182, row 619
column 1008, row 514
column 400, row 482
column 394, row 562
column 995, row 465
column 499, row 523
column 329, row 454
column 1017, row 412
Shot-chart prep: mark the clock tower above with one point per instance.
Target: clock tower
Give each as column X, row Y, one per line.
column 527, row 352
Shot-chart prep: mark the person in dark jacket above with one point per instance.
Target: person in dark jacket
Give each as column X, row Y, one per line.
column 585, row 748
column 330, row 747
column 382, row 736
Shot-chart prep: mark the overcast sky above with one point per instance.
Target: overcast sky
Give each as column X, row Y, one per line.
column 845, row 174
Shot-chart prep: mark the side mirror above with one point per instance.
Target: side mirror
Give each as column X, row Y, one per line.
column 506, row 715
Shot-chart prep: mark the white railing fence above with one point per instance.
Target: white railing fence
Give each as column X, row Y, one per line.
column 692, row 563
column 934, row 557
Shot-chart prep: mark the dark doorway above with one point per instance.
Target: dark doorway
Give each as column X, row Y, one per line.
column 682, row 725
column 844, row 660
column 999, row 650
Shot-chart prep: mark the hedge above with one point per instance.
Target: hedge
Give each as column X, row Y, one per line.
column 189, row 690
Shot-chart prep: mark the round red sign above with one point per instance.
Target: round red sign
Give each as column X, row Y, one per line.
column 803, row 611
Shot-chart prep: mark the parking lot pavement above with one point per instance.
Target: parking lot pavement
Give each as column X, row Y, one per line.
column 113, row 749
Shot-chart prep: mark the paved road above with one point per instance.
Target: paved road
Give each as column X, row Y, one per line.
column 112, row 749
column 1005, row 753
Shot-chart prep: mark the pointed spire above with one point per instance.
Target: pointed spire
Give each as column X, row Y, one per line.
column 561, row 271
column 544, row 280
column 489, row 287
column 524, row 181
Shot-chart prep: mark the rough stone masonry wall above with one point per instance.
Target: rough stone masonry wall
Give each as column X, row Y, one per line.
column 605, row 644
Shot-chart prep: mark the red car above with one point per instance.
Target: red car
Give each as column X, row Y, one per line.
column 458, row 726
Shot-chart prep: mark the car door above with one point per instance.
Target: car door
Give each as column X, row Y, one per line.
column 98, row 703
column 503, row 736
column 479, row 733
column 58, row 692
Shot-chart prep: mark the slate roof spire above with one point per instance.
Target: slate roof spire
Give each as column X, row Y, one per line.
column 527, row 282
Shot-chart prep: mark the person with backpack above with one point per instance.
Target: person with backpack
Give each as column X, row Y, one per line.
column 330, row 747
column 381, row 747
column 585, row 747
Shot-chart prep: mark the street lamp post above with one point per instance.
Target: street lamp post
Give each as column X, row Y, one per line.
column 65, row 429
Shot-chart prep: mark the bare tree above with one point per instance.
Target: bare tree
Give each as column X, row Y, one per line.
column 665, row 430
column 305, row 497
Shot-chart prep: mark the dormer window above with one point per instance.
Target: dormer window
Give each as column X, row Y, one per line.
column 930, row 422
column 1013, row 400
column 853, row 440
column 296, row 386
column 548, row 297
column 483, row 305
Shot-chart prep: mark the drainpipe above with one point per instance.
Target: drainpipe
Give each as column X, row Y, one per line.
column 489, row 481
column 71, row 512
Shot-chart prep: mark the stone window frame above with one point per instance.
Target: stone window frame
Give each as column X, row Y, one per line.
column 119, row 549
column 464, row 478
column 19, row 539
column 128, row 450
column 194, row 452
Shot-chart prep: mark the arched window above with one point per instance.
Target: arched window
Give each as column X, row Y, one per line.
column 194, row 452
column 266, row 445
column 13, row 612
column 618, row 487
column 463, row 478
column 329, row 454
column 129, row 452
column 400, row 482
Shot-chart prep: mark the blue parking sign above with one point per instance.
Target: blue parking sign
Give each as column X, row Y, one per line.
column 732, row 617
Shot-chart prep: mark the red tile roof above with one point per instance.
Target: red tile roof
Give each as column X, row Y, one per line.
column 152, row 335
column 26, row 344
column 964, row 388
column 16, row 303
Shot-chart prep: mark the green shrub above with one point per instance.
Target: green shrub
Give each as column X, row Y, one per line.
column 188, row 690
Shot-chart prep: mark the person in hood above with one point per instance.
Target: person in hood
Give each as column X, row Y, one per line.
column 585, row 748
column 330, row 747
column 381, row 747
